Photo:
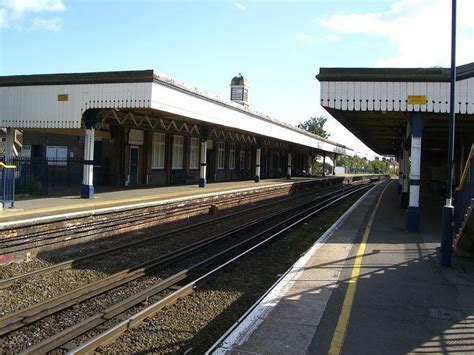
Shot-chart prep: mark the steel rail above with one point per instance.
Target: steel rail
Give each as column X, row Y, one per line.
column 135, row 320
column 68, row 264
column 86, row 325
column 36, row 312
column 21, row 242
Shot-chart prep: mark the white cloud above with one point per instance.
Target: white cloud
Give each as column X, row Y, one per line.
column 3, row 18
column 332, row 38
column 19, row 7
column 419, row 29
column 240, row 6
column 54, row 24
column 303, row 37
column 16, row 11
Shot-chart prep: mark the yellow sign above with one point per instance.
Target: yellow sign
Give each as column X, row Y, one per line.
column 417, row 100
column 63, row 97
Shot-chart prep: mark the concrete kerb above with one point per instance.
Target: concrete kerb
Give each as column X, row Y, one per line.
column 122, row 208
column 240, row 331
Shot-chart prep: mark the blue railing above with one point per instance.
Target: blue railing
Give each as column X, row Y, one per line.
column 8, row 184
column 464, row 192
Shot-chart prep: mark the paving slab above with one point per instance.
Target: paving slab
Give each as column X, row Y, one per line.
column 404, row 302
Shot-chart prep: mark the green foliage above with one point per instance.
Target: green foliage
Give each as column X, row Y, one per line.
column 315, row 125
column 357, row 165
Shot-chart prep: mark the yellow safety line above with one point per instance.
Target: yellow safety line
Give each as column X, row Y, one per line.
column 341, row 327
column 3, row 165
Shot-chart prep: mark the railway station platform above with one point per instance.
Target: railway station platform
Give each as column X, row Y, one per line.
column 366, row 287
column 38, row 225
column 50, row 206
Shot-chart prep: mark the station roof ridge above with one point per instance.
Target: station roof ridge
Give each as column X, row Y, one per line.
column 421, row 74
column 144, row 76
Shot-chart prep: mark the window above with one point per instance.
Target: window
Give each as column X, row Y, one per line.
column 158, row 151
column 242, row 158
column 232, row 156
column 26, row 151
column 194, row 153
column 177, row 160
column 220, row 155
column 56, row 155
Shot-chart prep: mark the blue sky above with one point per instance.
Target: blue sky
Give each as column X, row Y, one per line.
column 278, row 45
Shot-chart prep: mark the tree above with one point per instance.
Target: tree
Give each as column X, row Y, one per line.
column 315, row 125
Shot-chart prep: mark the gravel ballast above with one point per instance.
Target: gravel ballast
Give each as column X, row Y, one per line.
column 195, row 322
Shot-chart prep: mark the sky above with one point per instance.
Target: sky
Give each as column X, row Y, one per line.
column 278, row 46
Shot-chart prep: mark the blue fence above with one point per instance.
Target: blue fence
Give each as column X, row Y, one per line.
column 8, row 184
column 465, row 192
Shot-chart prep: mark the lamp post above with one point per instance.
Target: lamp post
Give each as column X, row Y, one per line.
column 448, row 209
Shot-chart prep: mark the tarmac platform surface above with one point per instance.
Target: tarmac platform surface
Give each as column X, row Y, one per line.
column 366, row 287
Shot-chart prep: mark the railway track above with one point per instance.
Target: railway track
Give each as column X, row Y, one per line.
column 86, row 259
column 263, row 237
column 33, row 314
column 24, row 239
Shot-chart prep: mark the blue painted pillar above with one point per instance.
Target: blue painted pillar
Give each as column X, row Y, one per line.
column 87, row 191
column 203, row 163
column 413, row 216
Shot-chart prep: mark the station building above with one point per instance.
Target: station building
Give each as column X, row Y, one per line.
column 405, row 113
column 132, row 128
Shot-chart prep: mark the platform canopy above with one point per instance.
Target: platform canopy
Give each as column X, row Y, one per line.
column 57, row 101
column 375, row 103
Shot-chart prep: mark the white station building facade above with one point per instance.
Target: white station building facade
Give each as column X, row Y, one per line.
column 142, row 128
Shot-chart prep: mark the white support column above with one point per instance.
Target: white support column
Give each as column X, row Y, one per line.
column 9, row 144
column 324, row 164
column 310, row 164
column 405, row 167
column 400, row 173
column 288, row 171
column 258, row 153
column 88, row 169
column 413, row 215
column 202, row 168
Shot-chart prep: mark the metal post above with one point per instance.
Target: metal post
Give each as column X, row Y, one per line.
column 202, row 169
column 9, row 145
column 288, row 172
column 257, row 164
column 88, row 165
column 324, row 163
column 448, row 209
column 413, row 215
column 88, row 170
column 310, row 164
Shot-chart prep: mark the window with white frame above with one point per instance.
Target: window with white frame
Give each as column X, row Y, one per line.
column 194, row 153
column 56, row 155
column 220, row 155
column 177, row 160
column 242, row 158
column 232, row 156
column 158, row 151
